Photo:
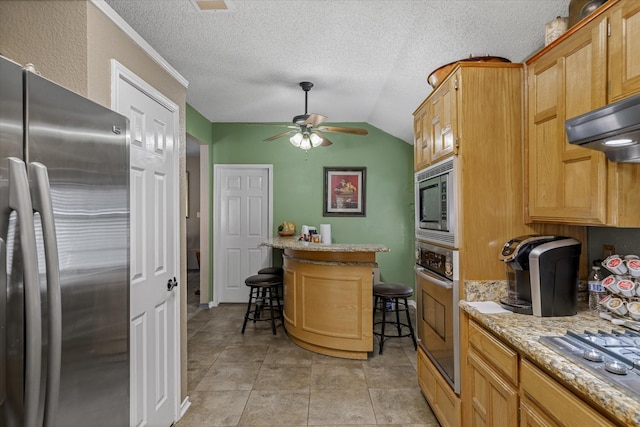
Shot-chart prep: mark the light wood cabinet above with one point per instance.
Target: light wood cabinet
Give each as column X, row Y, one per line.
column 441, row 120
column 443, row 401
column 491, row 391
column 565, row 183
column 502, row 388
column 493, row 401
column 421, row 142
column 624, row 48
column 548, row 403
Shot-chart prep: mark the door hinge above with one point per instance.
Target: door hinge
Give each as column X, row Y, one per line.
column 455, row 84
column 608, row 87
column 608, row 29
column 457, row 143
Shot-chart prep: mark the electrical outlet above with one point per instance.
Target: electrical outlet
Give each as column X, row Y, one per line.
column 608, row 250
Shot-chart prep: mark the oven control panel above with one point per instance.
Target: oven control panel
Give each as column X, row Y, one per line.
column 436, row 259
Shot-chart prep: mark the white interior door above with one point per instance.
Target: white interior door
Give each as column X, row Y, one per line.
column 242, row 221
column 154, row 239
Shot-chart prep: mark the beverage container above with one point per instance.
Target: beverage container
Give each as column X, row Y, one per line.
column 595, row 288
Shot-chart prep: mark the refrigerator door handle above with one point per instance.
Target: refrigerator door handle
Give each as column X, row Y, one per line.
column 41, row 200
column 20, row 201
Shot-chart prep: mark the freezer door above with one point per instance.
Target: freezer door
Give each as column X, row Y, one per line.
column 11, row 287
column 84, row 147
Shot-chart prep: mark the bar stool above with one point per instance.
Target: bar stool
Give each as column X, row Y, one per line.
column 263, row 293
column 271, row 270
column 397, row 295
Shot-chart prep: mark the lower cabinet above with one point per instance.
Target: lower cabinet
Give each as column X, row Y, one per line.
column 548, row 403
column 494, row 401
column 501, row 388
column 443, row 401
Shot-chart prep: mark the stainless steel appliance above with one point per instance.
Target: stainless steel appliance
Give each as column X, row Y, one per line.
column 64, row 256
column 542, row 275
column 438, row 318
column 434, row 202
column 614, row 129
column 613, row 356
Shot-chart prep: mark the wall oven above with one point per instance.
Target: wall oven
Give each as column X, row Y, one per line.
column 438, row 315
column 434, row 202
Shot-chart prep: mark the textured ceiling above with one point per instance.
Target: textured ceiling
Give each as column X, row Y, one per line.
column 368, row 59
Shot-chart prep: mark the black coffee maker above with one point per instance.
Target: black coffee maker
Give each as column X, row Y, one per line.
column 542, row 275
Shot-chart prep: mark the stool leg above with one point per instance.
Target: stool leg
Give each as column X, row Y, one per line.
column 246, row 315
column 396, row 301
column 273, row 320
column 384, row 321
column 375, row 307
column 413, row 337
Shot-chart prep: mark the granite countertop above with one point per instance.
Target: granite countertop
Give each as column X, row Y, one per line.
column 295, row 244
column 522, row 333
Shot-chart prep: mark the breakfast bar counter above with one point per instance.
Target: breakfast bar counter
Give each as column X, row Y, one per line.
column 328, row 295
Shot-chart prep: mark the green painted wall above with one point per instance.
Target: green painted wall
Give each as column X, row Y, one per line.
column 298, row 186
column 197, row 125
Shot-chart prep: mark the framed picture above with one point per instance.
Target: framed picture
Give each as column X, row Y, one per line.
column 344, row 191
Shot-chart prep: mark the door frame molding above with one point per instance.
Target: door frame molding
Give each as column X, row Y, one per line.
column 217, row 167
column 120, row 73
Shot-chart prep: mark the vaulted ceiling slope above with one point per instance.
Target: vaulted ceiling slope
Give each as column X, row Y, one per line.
column 368, row 59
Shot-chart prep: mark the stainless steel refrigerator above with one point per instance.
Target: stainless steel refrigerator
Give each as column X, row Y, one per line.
column 64, row 256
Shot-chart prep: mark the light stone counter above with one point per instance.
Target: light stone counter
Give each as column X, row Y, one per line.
column 294, row 244
column 522, row 333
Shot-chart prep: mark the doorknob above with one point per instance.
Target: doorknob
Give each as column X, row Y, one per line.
column 172, row 283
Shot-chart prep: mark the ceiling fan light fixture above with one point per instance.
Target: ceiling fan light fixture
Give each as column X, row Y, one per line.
column 316, row 140
column 296, row 139
column 305, row 144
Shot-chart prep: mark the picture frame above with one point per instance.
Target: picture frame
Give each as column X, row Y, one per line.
column 344, row 191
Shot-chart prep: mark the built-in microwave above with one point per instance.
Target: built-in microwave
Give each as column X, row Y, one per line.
column 434, row 202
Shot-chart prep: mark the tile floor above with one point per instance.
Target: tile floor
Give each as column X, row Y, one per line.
column 258, row 379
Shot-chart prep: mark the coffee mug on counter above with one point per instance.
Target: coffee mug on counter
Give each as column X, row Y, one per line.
column 633, row 265
column 615, row 264
column 617, row 306
column 609, row 284
column 634, row 309
column 626, row 287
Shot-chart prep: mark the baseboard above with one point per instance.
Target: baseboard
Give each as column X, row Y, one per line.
column 412, row 303
column 186, row 403
column 207, row 305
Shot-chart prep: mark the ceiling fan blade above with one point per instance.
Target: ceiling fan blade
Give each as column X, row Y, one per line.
column 280, row 125
column 355, row 131
column 315, row 119
column 280, row 135
column 325, row 140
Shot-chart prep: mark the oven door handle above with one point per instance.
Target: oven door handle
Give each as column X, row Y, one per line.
column 422, row 272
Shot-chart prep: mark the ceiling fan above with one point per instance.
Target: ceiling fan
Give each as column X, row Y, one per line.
column 305, row 131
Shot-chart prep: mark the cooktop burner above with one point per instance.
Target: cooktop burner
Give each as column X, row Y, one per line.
column 612, row 356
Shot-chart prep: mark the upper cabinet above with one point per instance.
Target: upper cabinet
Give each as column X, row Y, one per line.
column 624, row 47
column 435, row 125
column 566, row 183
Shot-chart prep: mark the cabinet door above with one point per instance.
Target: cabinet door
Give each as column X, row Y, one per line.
column 624, row 45
column 421, row 142
column 443, row 119
column 531, row 416
column 494, row 402
column 566, row 183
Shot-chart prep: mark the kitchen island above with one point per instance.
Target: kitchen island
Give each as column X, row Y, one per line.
column 328, row 298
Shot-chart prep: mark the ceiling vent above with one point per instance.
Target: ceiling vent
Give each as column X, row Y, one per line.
column 210, row 5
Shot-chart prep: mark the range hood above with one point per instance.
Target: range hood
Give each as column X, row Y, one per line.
column 613, row 129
